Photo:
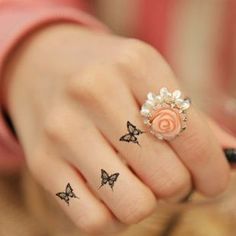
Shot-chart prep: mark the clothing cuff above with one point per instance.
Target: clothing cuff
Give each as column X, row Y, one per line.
column 16, row 22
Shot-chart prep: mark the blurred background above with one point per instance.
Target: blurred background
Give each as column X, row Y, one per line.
column 198, row 39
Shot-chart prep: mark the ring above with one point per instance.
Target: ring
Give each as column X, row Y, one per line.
column 165, row 113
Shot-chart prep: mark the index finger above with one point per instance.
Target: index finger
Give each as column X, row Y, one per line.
column 197, row 146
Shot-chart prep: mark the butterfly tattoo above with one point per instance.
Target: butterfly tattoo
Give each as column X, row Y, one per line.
column 132, row 134
column 67, row 194
column 110, row 179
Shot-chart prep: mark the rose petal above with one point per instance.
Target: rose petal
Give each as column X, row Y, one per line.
column 167, row 122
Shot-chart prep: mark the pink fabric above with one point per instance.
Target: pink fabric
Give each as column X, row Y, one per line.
column 17, row 19
column 154, row 22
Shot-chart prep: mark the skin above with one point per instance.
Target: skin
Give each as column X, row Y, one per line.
column 70, row 94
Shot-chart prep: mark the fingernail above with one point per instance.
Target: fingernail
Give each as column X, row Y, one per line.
column 230, row 154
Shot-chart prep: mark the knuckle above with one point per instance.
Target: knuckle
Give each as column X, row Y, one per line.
column 222, row 186
column 137, row 210
column 224, row 181
column 93, row 225
column 219, row 186
column 139, row 47
column 168, row 183
column 93, row 82
column 55, row 125
column 135, row 55
column 175, row 186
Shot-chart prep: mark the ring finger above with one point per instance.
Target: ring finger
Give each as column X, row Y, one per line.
column 197, row 147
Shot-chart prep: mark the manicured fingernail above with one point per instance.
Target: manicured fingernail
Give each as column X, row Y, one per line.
column 230, row 154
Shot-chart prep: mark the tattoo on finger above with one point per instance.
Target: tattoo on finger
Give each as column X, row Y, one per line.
column 132, row 135
column 108, row 179
column 67, row 195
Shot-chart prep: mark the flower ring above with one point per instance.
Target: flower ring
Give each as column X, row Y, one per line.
column 165, row 113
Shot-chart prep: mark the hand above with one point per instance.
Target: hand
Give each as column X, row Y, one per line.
column 71, row 92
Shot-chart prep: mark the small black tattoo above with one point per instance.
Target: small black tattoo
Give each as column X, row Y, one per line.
column 110, row 179
column 67, row 194
column 132, row 133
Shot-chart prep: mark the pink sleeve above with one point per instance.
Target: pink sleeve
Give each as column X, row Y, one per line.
column 18, row 18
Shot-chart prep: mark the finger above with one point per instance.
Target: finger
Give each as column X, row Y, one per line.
column 88, row 213
column 225, row 139
column 84, row 146
column 196, row 146
column 155, row 162
column 202, row 153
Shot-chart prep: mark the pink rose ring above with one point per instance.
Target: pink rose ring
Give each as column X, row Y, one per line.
column 165, row 113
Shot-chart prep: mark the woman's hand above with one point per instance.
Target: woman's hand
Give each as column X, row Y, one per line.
column 71, row 92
